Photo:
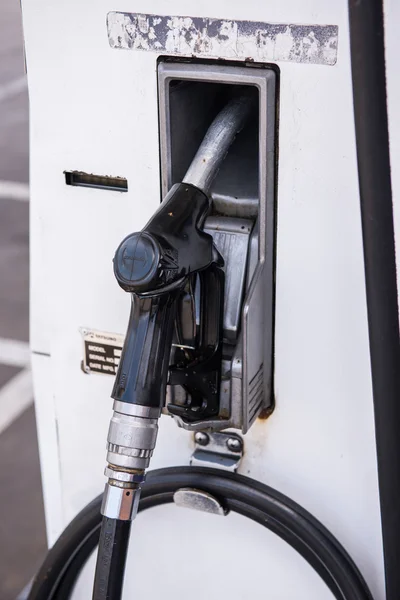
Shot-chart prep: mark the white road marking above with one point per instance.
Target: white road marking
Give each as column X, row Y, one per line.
column 14, row 190
column 17, row 394
column 15, row 397
column 25, row 592
column 12, row 88
column 14, row 353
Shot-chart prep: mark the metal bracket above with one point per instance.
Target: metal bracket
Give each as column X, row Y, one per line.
column 199, row 500
column 221, row 450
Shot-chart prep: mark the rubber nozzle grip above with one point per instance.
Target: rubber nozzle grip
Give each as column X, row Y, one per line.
column 143, row 368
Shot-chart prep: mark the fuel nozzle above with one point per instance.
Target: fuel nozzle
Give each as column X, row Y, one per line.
column 154, row 266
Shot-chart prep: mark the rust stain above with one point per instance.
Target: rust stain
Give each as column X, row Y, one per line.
column 266, row 412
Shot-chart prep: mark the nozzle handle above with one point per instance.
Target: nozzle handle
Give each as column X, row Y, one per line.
column 143, row 368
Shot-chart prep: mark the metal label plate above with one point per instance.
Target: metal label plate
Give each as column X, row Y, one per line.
column 223, row 38
column 102, row 351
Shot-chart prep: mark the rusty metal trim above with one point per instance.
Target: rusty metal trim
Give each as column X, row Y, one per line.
column 223, row 38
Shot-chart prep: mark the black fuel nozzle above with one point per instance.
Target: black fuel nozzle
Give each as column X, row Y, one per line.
column 153, row 265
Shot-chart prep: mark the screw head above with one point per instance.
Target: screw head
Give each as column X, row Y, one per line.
column 201, row 438
column 234, row 445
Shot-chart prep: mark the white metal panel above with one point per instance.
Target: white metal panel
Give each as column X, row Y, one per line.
column 47, row 427
column 95, row 109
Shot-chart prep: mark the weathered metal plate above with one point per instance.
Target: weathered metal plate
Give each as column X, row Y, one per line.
column 224, row 39
column 101, row 351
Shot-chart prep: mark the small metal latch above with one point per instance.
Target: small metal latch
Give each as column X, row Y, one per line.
column 199, row 500
column 221, row 450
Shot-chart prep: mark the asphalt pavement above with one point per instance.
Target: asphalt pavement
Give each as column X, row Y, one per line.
column 22, row 527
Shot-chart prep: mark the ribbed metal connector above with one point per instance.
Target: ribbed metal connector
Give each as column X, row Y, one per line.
column 132, row 436
column 130, row 443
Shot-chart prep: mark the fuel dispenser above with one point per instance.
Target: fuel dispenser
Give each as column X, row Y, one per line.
column 200, row 357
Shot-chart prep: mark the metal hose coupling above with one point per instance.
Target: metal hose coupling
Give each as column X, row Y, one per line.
column 131, row 440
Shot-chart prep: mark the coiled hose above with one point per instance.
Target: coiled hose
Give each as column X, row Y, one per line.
column 252, row 499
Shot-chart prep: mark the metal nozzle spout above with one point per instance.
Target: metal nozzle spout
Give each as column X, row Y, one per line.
column 218, row 139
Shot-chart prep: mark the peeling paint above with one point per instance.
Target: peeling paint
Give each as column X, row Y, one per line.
column 224, row 39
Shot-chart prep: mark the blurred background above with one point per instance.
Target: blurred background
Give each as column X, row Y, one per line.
column 22, row 527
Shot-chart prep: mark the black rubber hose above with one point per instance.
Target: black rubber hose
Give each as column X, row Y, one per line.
column 111, row 559
column 371, row 126
column 252, row 499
